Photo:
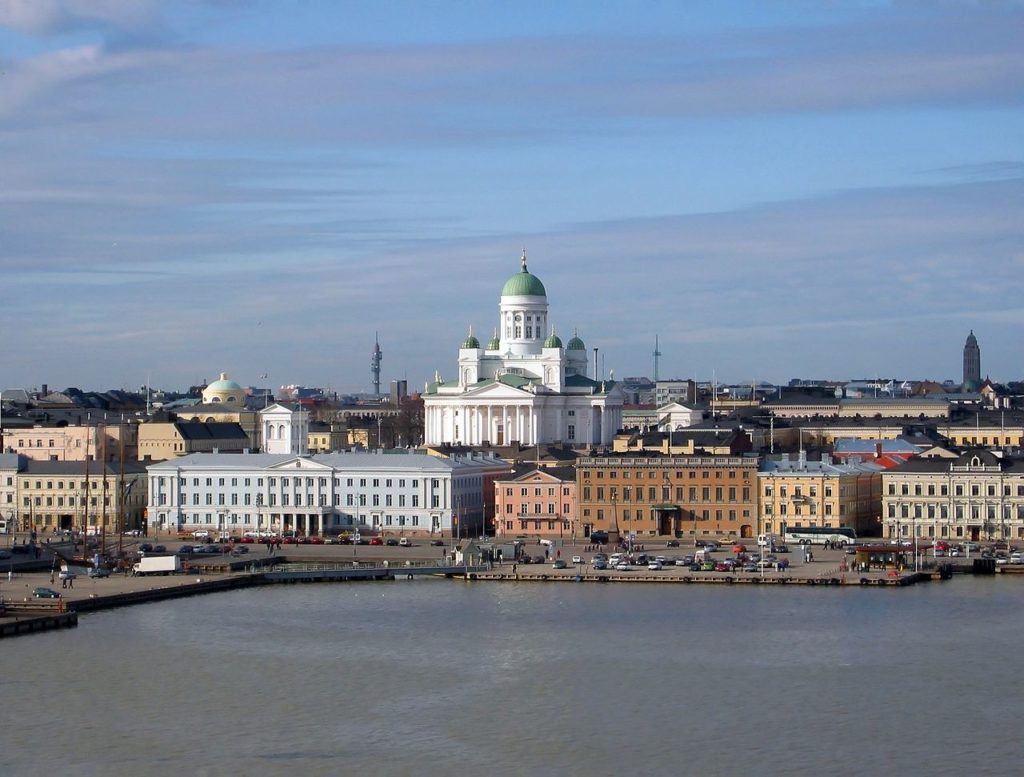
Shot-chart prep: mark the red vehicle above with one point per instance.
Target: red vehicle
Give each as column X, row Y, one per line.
column 376, row 541
column 247, row 540
column 314, row 540
column 289, row 541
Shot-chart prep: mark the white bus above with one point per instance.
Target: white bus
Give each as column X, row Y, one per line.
column 8, row 525
column 819, row 535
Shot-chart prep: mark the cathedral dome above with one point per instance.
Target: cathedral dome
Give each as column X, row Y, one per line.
column 523, row 284
column 494, row 344
column 575, row 344
column 471, row 341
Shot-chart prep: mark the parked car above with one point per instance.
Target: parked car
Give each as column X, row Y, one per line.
column 672, row 544
column 159, row 548
column 539, row 559
column 146, row 547
column 376, row 541
column 201, row 533
column 391, row 541
column 654, row 565
column 97, row 572
column 622, row 566
column 559, row 564
column 185, row 550
column 67, row 574
column 404, row 542
column 696, row 567
column 40, row 592
column 21, row 549
column 437, row 543
column 4, row 553
column 600, row 564
column 577, row 559
column 315, row 539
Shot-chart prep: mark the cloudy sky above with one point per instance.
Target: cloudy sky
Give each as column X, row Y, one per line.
column 775, row 189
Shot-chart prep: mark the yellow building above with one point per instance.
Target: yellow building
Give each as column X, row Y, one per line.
column 159, row 441
column 54, row 495
column 796, row 493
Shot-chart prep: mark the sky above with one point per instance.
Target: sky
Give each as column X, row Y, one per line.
column 774, row 189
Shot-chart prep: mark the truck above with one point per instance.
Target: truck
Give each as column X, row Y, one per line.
column 157, row 565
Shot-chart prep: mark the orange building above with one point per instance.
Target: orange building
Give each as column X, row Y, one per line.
column 668, row 496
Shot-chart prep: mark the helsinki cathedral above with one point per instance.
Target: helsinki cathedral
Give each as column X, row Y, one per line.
column 525, row 386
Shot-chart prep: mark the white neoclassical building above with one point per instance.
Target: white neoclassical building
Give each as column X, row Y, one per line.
column 525, row 386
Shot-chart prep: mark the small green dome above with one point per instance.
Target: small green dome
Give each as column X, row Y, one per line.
column 553, row 341
column 471, row 341
column 575, row 344
column 494, row 345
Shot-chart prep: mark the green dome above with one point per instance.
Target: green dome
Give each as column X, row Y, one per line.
column 575, row 344
column 523, row 284
column 471, row 342
column 495, row 344
column 553, row 341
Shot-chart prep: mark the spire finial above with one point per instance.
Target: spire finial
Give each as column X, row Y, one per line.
column 523, row 260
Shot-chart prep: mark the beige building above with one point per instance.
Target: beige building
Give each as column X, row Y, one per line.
column 54, row 495
column 977, row 496
column 898, row 407
column 324, row 438
column 71, row 443
column 797, row 493
column 159, row 441
column 537, row 502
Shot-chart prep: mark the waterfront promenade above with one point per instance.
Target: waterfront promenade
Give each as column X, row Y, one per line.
column 346, row 563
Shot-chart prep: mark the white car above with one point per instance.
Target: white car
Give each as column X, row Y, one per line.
column 67, row 574
column 654, row 565
column 1017, row 558
column 622, row 566
column 200, row 533
column 577, row 559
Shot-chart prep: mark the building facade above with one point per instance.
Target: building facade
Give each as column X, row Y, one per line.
column 78, row 495
column 669, row 496
column 525, row 386
column 537, row 503
column 75, row 443
column 162, row 440
column 401, row 493
column 795, row 493
column 978, row 496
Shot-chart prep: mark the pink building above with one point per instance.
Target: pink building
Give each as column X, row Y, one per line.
column 536, row 503
column 70, row 443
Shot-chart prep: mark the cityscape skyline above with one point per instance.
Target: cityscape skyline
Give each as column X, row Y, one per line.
column 774, row 191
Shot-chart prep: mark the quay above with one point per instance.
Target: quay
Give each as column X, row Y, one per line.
column 23, row 614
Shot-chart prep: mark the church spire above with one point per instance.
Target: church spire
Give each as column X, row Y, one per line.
column 523, row 260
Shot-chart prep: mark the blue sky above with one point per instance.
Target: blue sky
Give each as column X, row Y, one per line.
column 812, row 189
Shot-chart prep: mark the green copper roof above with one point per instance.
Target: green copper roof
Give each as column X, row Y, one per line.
column 575, row 344
column 553, row 341
column 495, row 344
column 523, row 284
column 471, row 342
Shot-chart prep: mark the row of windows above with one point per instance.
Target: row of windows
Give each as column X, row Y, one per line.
column 798, row 509
column 245, row 519
column 287, row 500
column 960, row 512
column 654, row 493
column 536, row 491
column 769, row 490
column 705, row 474
column 628, row 514
column 524, row 509
column 538, row 525
column 297, row 482
column 959, row 489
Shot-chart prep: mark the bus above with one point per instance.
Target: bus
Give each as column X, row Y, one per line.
column 819, row 535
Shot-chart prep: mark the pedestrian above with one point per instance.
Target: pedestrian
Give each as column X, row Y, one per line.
column 514, row 567
column 71, row 581
column 63, row 582
column 51, row 577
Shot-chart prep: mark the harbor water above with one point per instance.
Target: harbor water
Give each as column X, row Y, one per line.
column 431, row 677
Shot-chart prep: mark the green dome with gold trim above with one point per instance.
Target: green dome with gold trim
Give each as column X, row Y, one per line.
column 523, row 284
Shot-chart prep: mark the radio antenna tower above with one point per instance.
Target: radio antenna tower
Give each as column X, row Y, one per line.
column 657, row 355
column 375, row 358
